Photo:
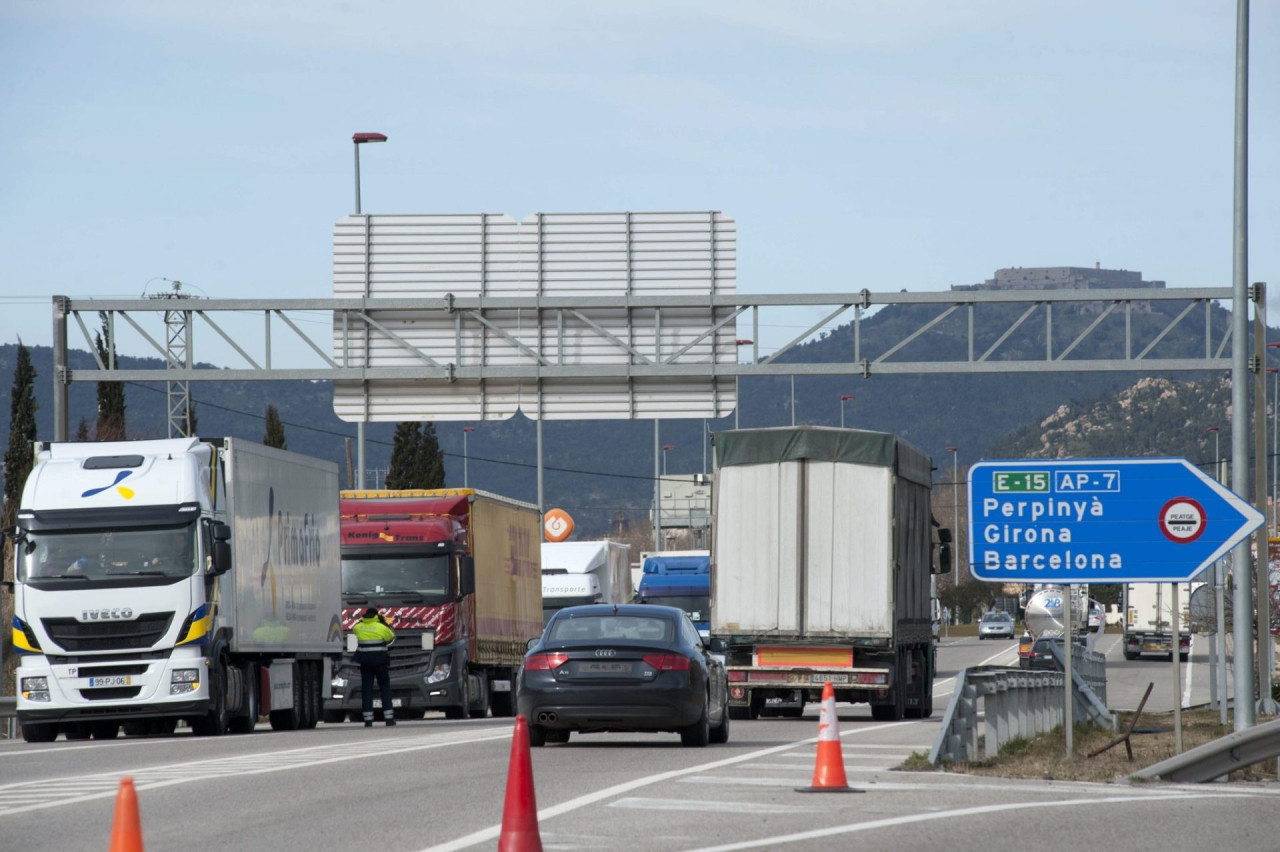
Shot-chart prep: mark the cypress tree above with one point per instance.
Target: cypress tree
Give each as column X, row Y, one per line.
column 402, row 471
column 111, row 423
column 18, row 458
column 431, row 459
column 416, row 460
column 275, row 430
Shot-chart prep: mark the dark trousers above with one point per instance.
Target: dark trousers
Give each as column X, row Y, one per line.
column 375, row 666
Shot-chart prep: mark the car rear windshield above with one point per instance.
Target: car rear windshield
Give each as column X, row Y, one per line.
column 645, row 628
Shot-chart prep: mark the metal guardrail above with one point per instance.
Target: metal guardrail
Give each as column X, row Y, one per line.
column 1015, row 703
column 1217, row 758
column 9, row 716
column 1019, row 703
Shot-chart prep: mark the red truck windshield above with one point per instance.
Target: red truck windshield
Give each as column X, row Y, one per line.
column 395, row 574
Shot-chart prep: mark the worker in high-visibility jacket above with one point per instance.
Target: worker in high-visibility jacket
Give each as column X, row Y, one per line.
column 373, row 653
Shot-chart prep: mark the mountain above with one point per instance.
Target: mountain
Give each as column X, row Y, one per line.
column 602, row 471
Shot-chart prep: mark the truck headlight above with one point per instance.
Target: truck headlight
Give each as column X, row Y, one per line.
column 182, row 681
column 440, row 672
column 35, row 684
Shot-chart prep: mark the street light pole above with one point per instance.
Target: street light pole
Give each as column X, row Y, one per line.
column 1219, row 599
column 793, row 399
column 843, row 399
column 666, row 447
column 955, row 495
column 359, row 139
column 738, row 407
column 465, row 478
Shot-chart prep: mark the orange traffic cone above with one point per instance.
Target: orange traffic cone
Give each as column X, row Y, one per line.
column 828, row 770
column 126, row 831
column 520, row 812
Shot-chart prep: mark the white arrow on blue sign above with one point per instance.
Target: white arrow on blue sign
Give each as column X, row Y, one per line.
column 1100, row 521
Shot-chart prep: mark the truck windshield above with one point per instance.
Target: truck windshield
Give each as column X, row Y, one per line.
column 88, row 556
column 697, row 607
column 394, row 574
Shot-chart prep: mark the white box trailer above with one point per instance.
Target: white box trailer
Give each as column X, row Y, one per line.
column 1148, row 619
column 584, row 572
column 821, row 566
column 157, row 581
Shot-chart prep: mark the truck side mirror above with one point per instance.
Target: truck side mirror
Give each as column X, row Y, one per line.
column 467, row 576
column 719, row 644
column 221, row 548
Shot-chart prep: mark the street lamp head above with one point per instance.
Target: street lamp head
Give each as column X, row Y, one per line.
column 1273, row 369
column 1212, row 429
column 468, row 428
column 743, row 342
column 845, row 397
column 361, row 138
column 952, row 449
column 666, row 447
column 1273, row 345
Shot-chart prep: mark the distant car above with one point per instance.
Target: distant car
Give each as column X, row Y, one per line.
column 996, row 625
column 1096, row 620
column 1040, row 656
column 631, row 668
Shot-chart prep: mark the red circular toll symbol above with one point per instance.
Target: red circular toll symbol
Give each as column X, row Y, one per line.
column 1182, row 520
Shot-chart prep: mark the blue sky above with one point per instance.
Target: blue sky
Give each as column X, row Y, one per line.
column 904, row 145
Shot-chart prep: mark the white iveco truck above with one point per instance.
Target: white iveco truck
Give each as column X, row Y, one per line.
column 177, row 579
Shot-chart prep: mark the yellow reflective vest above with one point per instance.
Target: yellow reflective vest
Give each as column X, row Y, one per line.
column 372, row 635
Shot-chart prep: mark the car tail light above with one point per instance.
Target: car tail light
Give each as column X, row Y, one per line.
column 871, row 677
column 737, row 675
column 667, row 662
column 545, row 662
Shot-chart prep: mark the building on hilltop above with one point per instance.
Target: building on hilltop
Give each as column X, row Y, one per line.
column 1062, row 278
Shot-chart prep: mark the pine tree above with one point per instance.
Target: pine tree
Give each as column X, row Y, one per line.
column 111, row 423
column 82, row 431
column 275, row 430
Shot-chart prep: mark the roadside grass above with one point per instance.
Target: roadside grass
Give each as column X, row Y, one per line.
column 1044, row 757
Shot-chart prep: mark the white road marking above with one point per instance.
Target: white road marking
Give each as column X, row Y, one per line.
column 491, row 833
column 892, row 822
column 20, row 797
column 703, row 806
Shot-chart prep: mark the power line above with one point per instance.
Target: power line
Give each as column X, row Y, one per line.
column 337, row 434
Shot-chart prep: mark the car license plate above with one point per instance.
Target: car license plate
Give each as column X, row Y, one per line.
column 1152, row 646
column 834, row 678
column 604, row 668
column 395, row 702
column 112, row 680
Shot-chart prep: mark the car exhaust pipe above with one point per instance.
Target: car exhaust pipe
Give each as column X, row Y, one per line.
column 546, row 717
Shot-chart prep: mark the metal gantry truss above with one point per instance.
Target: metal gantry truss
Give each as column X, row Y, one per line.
column 523, row 362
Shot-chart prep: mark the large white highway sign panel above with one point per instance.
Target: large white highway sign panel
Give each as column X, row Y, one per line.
column 1100, row 521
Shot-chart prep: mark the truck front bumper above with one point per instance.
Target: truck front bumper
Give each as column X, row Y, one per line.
column 48, row 690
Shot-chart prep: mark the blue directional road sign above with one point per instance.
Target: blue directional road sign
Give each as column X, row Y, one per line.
column 1099, row 521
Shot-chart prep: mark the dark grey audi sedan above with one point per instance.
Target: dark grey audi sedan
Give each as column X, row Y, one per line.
column 629, row 667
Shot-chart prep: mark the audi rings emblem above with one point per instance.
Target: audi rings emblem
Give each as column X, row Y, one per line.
column 605, row 652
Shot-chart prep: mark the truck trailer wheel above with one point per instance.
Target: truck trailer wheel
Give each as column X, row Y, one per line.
column 334, row 717
column 310, row 694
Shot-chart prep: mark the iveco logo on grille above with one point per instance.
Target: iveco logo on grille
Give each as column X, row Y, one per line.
column 605, row 652
column 120, row 614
